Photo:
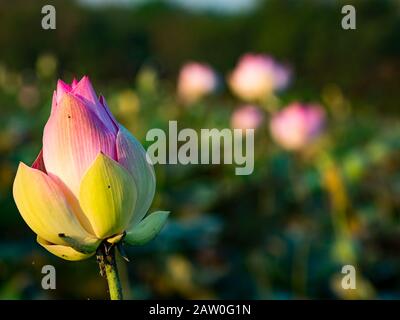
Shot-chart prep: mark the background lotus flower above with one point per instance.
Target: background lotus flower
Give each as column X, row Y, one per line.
column 91, row 182
column 195, row 81
column 297, row 125
column 257, row 76
column 247, row 117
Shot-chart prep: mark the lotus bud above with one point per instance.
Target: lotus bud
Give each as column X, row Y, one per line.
column 257, row 76
column 247, row 117
column 90, row 182
column 195, row 81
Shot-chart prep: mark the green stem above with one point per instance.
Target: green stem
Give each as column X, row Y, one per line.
column 108, row 267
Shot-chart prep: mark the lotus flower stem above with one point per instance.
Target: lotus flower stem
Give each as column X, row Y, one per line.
column 114, row 283
column 108, row 269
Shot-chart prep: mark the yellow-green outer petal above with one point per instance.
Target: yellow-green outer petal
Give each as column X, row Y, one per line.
column 45, row 208
column 147, row 229
column 64, row 252
column 107, row 196
column 132, row 156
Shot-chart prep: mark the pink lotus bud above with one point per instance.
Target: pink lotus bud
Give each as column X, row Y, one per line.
column 79, row 128
column 91, row 182
column 195, row 81
column 257, row 76
column 297, row 125
column 247, row 117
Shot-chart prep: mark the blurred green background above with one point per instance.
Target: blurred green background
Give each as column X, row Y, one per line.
column 283, row 232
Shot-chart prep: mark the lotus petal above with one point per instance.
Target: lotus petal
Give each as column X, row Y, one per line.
column 64, row 252
column 108, row 196
column 132, row 156
column 45, row 208
column 147, row 229
column 72, row 139
column 39, row 162
column 84, row 90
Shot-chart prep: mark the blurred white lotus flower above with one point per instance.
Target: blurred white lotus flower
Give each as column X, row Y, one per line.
column 257, row 76
column 297, row 125
column 195, row 81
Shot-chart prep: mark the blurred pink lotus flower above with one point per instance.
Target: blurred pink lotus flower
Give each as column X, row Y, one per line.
column 195, row 81
column 257, row 76
column 297, row 125
column 91, row 181
column 247, row 117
